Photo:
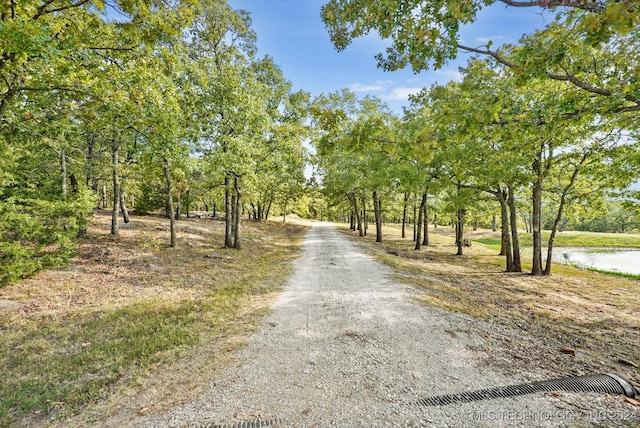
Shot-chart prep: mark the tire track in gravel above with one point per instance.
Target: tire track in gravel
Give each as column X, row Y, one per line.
column 347, row 346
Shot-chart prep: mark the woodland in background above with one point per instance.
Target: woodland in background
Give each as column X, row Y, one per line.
column 166, row 107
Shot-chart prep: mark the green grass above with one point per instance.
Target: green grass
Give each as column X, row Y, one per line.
column 69, row 361
column 613, row 273
column 572, row 239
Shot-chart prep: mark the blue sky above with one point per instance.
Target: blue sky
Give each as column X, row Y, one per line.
column 292, row 32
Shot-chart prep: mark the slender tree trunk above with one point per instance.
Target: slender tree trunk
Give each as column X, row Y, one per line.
column 365, row 216
column 494, row 225
column 228, row 221
column 460, row 230
column 536, row 269
column 425, row 218
column 123, row 206
column 284, row 212
column 415, row 227
column 233, row 217
column 515, row 241
column 187, row 203
column 115, row 230
column 89, row 179
column 377, row 214
column 357, row 214
column 178, row 207
column 556, row 222
column 266, row 213
column 505, row 250
column 63, row 174
column 238, row 214
column 420, row 222
column 404, row 214
column 170, row 209
column 359, row 220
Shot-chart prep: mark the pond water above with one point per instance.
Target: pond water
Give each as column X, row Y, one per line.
column 625, row 260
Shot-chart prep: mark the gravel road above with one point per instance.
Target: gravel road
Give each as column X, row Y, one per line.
column 347, row 346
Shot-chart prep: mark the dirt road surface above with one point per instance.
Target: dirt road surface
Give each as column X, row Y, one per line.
column 347, row 346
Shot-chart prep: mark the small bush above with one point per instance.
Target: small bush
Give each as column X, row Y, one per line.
column 36, row 233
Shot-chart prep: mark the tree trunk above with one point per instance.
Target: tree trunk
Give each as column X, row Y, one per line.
column 178, row 207
column 556, row 222
column 266, row 213
column 233, row 216
column 515, row 241
column 425, row 217
column 63, row 174
column 420, row 222
column 536, row 269
column 377, row 214
column 228, row 222
column 460, row 230
column 357, row 222
column 358, row 217
column 365, row 216
column 168, row 188
column 415, row 228
column 123, row 206
column 238, row 214
column 284, row 212
column 404, row 215
column 115, row 230
column 505, row 250
column 187, row 203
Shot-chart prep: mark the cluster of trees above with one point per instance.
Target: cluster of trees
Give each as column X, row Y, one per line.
column 550, row 123
column 144, row 103
column 164, row 104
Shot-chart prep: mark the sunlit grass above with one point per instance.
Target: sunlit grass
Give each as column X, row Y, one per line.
column 571, row 239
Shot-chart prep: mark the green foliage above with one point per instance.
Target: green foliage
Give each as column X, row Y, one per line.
column 151, row 197
column 35, row 233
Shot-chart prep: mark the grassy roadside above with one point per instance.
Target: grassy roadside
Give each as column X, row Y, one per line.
column 568, row 239
column 573, row 322
column 133, row 326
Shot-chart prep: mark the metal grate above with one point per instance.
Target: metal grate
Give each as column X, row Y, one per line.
column 254, row 424
column 605, row 383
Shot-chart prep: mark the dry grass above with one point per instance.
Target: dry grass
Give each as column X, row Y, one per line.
column 132, row 327
column 573, row 311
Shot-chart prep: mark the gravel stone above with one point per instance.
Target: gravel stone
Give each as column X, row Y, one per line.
column 347, row 346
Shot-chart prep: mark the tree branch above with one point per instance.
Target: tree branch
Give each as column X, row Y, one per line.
column 590, row 6
column 44, row 11
column 586, row 86
column 492, row 54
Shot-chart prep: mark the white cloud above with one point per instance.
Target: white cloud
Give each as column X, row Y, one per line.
column 401, row 93
column 450, row 74
column 489, row 39
column 359, row 87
